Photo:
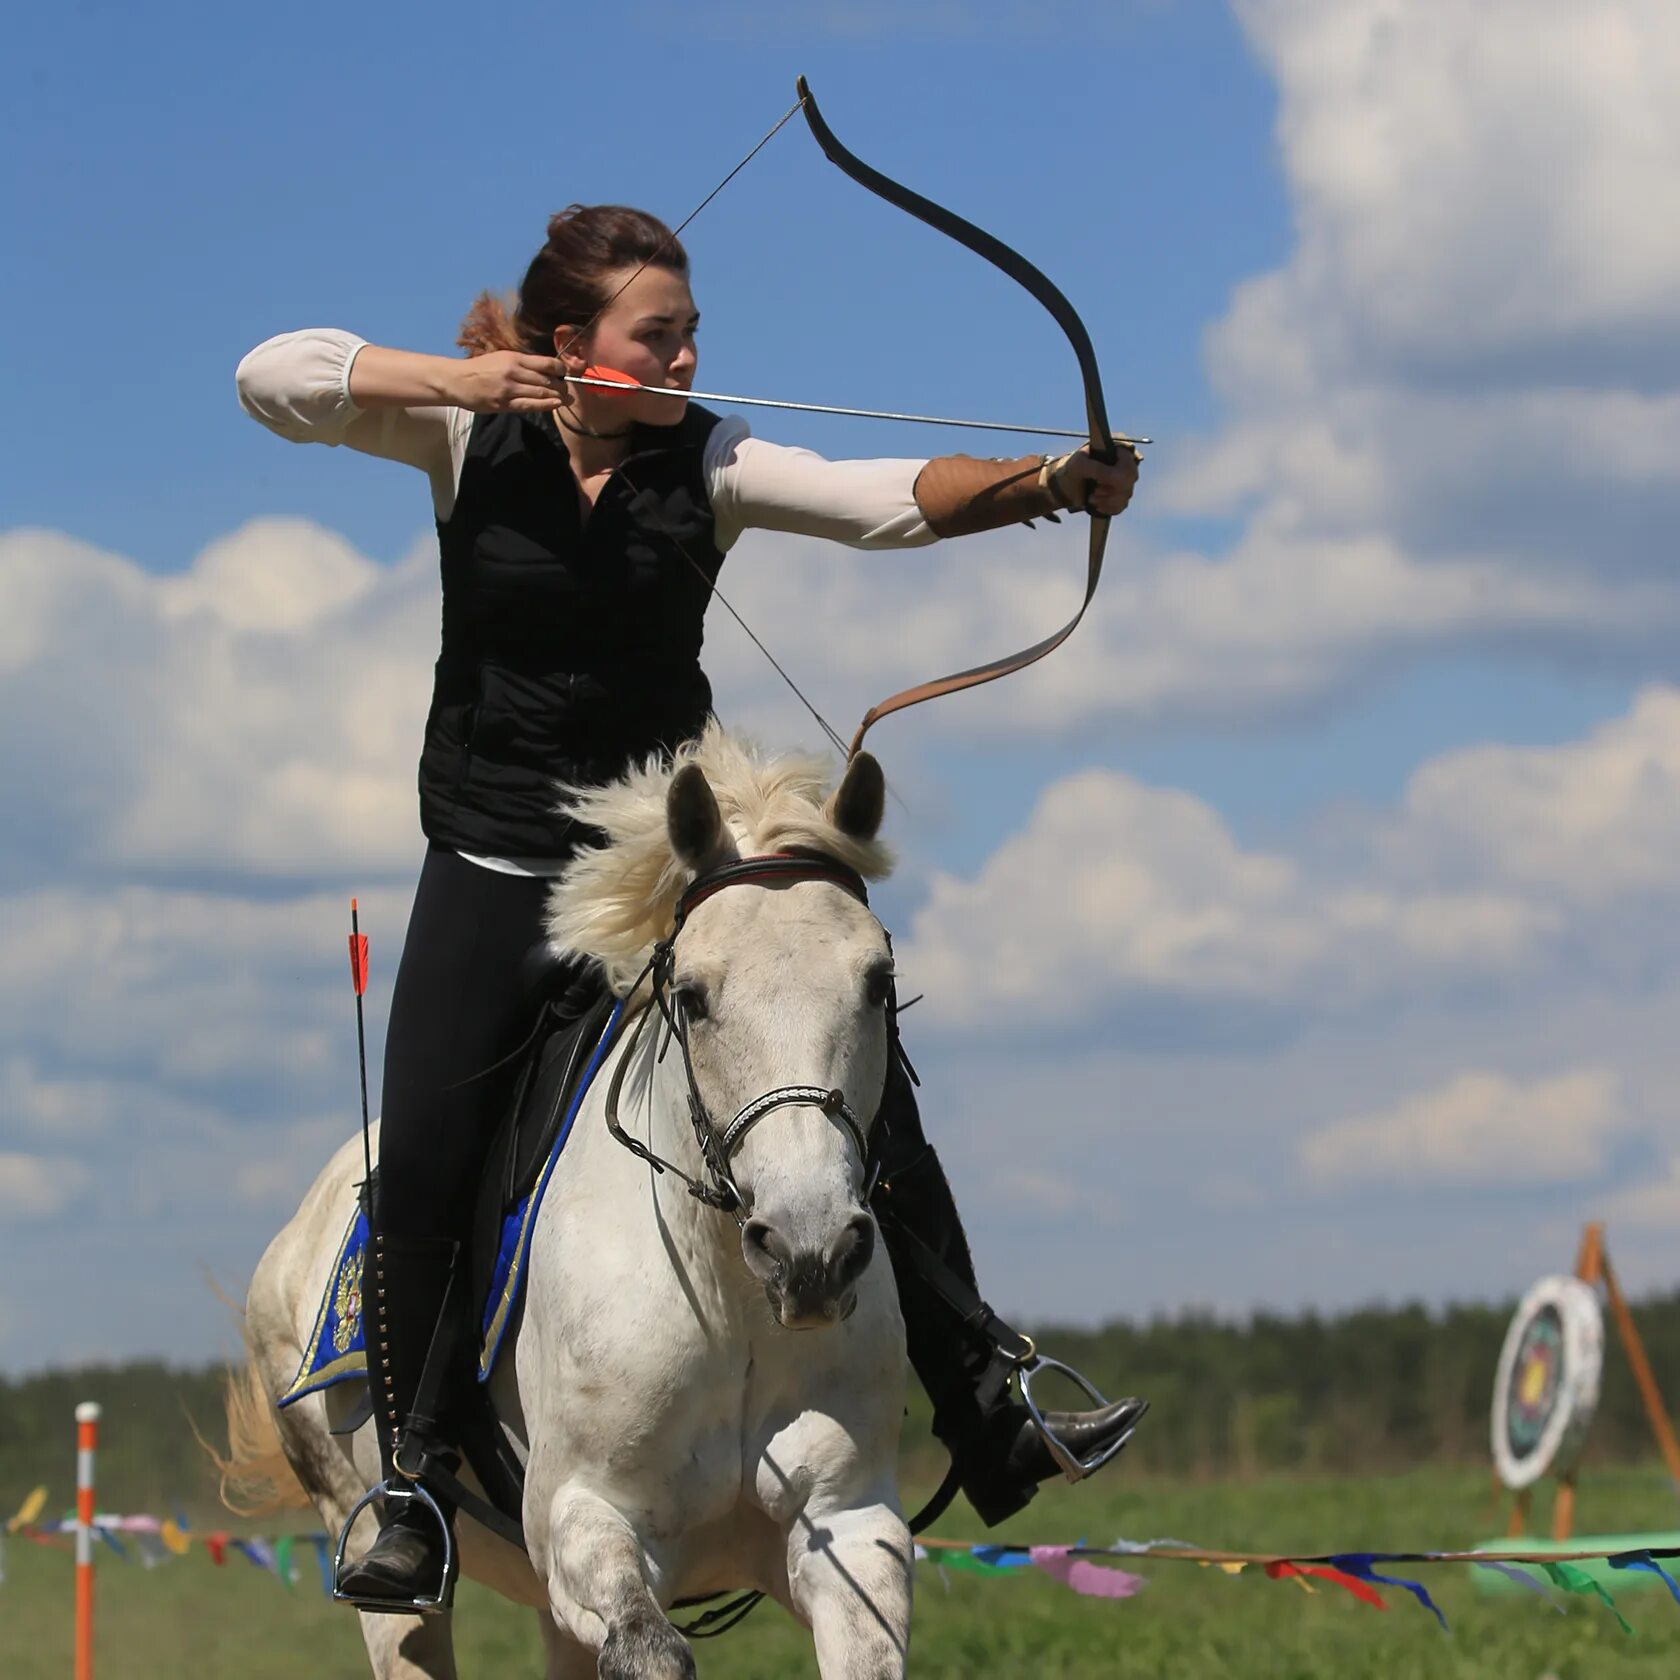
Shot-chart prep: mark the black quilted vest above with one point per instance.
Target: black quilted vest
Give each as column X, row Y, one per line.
column 571, row 646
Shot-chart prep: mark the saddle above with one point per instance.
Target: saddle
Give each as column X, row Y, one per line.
column 568, row 1029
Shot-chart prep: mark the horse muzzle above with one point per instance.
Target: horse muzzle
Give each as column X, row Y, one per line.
column 809, row 1287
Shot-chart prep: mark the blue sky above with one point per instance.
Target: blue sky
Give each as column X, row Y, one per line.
column 1336, row 847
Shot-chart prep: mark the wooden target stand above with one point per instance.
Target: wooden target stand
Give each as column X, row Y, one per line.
column 1593, row 1268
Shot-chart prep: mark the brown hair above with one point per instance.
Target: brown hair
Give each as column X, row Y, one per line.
column 567, row 282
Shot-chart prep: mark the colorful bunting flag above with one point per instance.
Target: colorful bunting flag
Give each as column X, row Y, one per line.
column 1577, row 1580
column 28, row 1511
column 1086, row 1570
column 1359, row 1565
column 1283, row 1570
column 1645, row 1562
column 1089, row 1580
column 1523, row 1578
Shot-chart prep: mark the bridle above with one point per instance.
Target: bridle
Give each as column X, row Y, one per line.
column 718, row 1145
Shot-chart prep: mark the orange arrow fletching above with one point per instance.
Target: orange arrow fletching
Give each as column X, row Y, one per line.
column 358, row 962
column 612, row 376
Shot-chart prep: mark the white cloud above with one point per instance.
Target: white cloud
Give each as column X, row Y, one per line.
column 1039, row 1190
column 271, row 577
column 1470, row 359
column 1117, row 891
column 194, row 987
column 1651, row 1206
column 64, row 1107
column 1595, row 819
column 289, row 1158
column 1288, row 617
column 38, row 1186
column 1504, row 869
column 259, row 713
column 1479, row 1129
column 1471, row 178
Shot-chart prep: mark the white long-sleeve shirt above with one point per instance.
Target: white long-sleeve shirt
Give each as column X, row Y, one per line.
column 298, row 385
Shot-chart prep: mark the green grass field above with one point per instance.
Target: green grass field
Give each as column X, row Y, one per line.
column 187, row 1618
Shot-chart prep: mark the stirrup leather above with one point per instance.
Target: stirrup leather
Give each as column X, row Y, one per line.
column 1075, row 1468
column 398, row 1490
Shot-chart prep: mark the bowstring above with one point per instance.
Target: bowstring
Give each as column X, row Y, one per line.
column 671, row 237
column 659, row 250
column 827, row 728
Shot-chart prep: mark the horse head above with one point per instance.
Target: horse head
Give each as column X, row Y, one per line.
column 776, row 980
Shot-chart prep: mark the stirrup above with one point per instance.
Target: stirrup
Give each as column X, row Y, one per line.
column 1076, row 1469
column 395, row 1491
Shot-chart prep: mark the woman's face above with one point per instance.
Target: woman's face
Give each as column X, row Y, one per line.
column 647, row 331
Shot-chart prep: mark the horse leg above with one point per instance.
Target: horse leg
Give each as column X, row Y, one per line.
column 849, row 1574
column 409, row 1647
column 567, row 1659
column 598, row 1589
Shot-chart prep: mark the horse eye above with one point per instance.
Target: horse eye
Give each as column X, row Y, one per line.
column 690, row 997
column 878, row 987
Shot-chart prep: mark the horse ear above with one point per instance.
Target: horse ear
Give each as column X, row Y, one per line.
column 858, row 804
column 692, row 818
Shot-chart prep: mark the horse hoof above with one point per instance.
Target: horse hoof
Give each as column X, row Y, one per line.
column 645, row 1646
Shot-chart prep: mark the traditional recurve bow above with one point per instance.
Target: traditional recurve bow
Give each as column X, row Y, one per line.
column 1102, row 443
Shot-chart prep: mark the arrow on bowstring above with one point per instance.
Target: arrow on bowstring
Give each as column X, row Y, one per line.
column 611, row 379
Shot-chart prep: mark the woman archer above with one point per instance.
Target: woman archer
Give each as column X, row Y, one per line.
column 581, row 532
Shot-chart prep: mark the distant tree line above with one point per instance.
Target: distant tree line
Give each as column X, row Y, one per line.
column 1374, row 1390
column 1377, row 1389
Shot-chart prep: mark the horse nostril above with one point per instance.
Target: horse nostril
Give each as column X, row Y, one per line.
column 765, row 1249
column 853, row 1252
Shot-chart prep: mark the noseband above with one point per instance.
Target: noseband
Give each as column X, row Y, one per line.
column 717, row 1148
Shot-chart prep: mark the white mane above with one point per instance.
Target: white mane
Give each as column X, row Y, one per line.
column 616, row 901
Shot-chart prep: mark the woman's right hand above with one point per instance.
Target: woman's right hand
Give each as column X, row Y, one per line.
column 507, row 382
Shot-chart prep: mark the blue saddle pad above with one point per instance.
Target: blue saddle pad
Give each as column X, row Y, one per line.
column 337, row 1347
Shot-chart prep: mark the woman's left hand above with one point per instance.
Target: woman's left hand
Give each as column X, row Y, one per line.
column 1098, row 486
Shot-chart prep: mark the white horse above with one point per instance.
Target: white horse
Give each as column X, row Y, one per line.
column 678, row 1437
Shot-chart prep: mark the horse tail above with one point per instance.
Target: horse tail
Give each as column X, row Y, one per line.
column 257, row 1478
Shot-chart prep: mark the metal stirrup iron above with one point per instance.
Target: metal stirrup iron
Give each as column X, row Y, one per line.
column 400, row 1490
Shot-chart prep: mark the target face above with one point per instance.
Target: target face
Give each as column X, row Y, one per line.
column 1546, row 1390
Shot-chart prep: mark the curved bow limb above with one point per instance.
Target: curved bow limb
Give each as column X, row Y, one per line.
column 1102, row 444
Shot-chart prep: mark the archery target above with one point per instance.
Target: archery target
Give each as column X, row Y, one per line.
column 1546, row 1389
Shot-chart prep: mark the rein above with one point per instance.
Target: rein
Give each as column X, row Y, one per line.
column 718, row 1146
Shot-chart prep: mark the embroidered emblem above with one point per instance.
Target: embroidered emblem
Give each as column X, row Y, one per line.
column 347, row 1301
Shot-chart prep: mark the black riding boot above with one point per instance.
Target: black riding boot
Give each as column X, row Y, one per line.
column 999, row 1452
column 409, row 1279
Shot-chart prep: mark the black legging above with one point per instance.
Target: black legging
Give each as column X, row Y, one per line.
column 462, row 1003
